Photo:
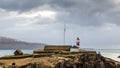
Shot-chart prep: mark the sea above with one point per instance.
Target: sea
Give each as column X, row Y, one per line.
column 110, row 53
column 4, row 52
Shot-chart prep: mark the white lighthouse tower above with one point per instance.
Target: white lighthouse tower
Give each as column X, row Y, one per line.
column 75, row 48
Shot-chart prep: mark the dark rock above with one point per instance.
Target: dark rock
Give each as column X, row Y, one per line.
column 78, row 65
column 118, row 66
column 18, row 52
column 58, row 65
column 68, row 64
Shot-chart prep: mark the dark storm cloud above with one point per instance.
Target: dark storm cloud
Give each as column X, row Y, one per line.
column 82, row 12
column 23, row 5
column 91, row 12
column 20, row 5
column 87, row 12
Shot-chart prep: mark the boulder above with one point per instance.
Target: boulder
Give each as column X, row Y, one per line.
column 18, row 52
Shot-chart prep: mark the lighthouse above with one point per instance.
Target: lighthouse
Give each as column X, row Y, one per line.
column 75, row 48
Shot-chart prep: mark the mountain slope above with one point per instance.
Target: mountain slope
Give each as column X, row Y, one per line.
column 9, row 43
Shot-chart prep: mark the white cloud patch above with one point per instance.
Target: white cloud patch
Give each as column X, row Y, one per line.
column 41, row 14
column 32, row 14
column 25, row 21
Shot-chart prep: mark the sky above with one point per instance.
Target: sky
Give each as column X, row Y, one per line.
column 96, row 22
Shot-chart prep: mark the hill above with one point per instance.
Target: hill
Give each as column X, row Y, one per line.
column 9, row 43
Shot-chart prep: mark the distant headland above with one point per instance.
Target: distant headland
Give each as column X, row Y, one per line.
column 9, row 43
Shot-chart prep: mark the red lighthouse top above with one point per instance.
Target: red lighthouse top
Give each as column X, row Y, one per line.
column 78, row 41
column 78, row 38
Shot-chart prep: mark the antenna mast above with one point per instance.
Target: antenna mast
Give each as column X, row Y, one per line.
column 64, row 32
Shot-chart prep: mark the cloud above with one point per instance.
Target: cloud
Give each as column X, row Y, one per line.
column 96, row 22
column 25, row 5
column 82, row 12
column 92, row 13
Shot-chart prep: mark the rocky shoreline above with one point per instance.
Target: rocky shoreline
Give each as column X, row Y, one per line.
column 60, row 60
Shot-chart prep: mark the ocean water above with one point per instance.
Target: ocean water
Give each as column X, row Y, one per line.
column 110, row 53
column 11, row 52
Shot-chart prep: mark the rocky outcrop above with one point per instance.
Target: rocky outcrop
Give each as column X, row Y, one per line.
column 85, row 60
